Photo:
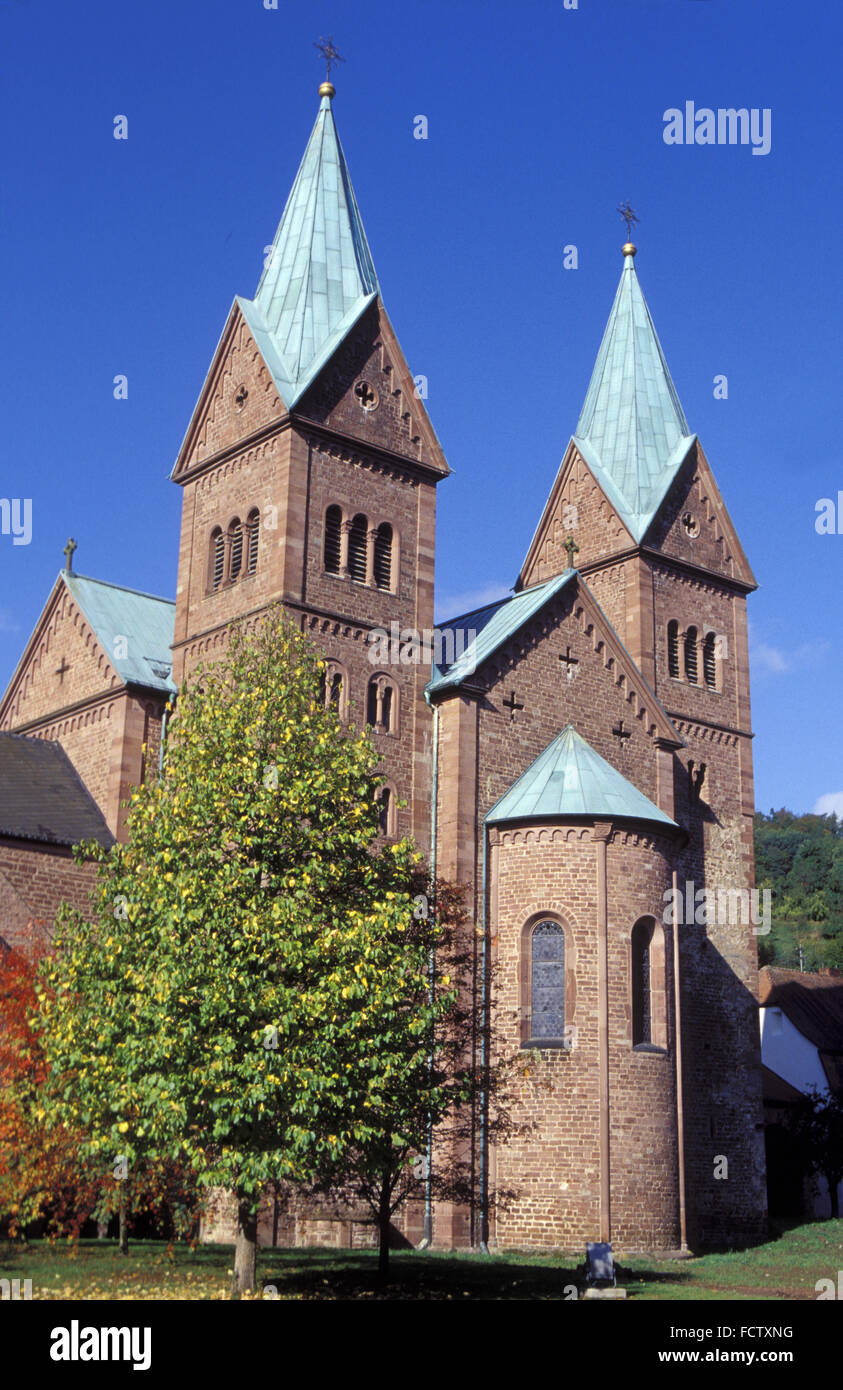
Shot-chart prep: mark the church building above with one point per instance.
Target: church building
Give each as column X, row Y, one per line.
column 578, row 756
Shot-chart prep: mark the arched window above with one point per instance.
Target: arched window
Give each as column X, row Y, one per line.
column 381, row 705
column 649, row 1000
column 333, row 532
column 253, row 526
column 547, row 981
column 333, row 687
column 691, row 655
column 383, row 556
column 641, row 1015
column 216, row 565
column 710, row 660
column 673, row 648
column 358, row 539
column 385, row 797
column 235, row 541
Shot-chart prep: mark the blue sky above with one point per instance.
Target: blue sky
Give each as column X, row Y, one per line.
column 123, row 257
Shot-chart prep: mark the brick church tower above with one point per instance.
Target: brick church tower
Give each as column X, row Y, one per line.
column 309, row 474
column 594, row 764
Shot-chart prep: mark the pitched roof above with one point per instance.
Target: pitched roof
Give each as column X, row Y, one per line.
column 812, row 1002
column 478, row 635
column 43, row 798
column 632, row 431
column 570, row 779
column 135, row 630
column 320, row 275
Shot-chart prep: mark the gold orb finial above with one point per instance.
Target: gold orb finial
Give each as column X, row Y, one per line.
column 327, row 89
column 628, row 249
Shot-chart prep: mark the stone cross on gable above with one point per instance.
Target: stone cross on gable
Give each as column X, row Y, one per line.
column 68, row 554
column 572, row 549
column 571, row 663
column 512, row 705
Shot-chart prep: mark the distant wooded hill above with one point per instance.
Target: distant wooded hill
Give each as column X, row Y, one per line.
column 800, row 858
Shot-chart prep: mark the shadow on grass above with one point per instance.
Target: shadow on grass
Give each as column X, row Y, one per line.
column 338, row 1274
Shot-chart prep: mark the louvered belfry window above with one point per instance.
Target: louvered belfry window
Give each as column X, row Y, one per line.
column 357, row 546
column 217, row 558
column 333, row 531
column 235, row 532
column 710, row 661
column 673, row 648
column 253, row 526
column 383, row 556
column 691, row 655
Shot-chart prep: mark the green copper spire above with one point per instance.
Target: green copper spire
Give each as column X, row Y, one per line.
column 632, row 431
column 319, row 275
column 570, row 779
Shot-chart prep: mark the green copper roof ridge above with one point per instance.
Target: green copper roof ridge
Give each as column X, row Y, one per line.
column 477, row 651
column 143, row 624
column 569, row 748
column 66, row 574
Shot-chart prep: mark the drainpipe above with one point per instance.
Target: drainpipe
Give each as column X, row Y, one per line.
column 171, row 701
column 602, row 833
column 428, row 1196
column 484, row 1025
column 680, row 1108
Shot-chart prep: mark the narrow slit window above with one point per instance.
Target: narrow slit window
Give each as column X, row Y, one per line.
column 253, row 524
column 333, row 531
column 383, row 556
column 357, row 547
column 235, row 532
column 691, row 655
column 673, row 648
column 217, row 558
column 641, row 984
column 710, row 661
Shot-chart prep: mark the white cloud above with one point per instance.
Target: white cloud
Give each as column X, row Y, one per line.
column 780, row 660
column 453, row 605
column 830, row 801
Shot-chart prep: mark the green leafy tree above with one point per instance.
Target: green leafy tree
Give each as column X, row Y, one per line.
column 233, row 1007
column 414, row 1144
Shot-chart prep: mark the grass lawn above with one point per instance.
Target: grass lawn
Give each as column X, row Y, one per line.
column 784, row 1268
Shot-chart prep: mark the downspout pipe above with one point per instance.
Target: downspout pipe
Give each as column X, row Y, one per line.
column 427, row 1238
column 164, row 721
column 484, row 1028
column 680, row 1105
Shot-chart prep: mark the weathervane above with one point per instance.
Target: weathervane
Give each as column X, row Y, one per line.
column 329, row 53
column 630, row 217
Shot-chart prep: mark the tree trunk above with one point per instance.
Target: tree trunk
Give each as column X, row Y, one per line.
column 833, row 1193
column 383, row 1229
column 124, row 1228
column 245, row 1250
column 102, row 1230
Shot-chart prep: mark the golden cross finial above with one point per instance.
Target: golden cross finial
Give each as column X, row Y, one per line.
column 329, row 53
